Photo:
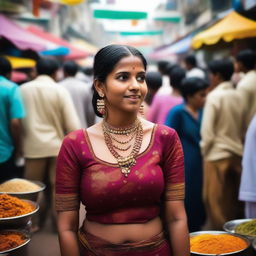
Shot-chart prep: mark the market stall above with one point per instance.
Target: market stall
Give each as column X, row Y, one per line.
column 233, row 26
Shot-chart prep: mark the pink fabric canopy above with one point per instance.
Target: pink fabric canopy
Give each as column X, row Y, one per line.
column 17, row 76
column 74, row 53
column 20, row 37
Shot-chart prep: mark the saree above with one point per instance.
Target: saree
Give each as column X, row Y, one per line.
column 92, row 245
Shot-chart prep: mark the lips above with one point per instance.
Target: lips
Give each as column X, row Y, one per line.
column 133, row 96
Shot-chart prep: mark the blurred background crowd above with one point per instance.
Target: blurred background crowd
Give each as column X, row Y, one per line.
column 201, row 81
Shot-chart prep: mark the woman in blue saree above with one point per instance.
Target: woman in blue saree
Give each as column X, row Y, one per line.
column 185, row 118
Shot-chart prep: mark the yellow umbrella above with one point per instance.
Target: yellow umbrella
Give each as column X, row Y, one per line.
column 17, row 62
column 71, row 2
column 67, row 2
column 233, row 26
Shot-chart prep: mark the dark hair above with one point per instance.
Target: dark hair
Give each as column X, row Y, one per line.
column 192, row 85
column 176, row 75
column 191, row 59
column 105, row 61
column 88, row 71
column 5, row 66
column 154, row 80
column 247, row 58
column 163, row 66
column 46, row 66
column 70, row 68
column 171, row 67
column 224, row 67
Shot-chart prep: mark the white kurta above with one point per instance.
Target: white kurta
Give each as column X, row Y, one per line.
column 248, row 179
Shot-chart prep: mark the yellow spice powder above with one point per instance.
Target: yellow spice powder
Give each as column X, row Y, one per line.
column 216, row 244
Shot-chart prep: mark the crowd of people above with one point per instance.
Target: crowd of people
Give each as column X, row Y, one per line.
column 212, row 122
column 147, row 176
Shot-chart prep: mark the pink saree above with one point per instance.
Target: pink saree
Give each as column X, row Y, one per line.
column 95, row 246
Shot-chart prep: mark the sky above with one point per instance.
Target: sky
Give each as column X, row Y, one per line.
column 138, row 5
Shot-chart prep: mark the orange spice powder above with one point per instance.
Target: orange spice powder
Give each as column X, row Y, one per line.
column 10, row 240
column 216, row 244
column 11, row 206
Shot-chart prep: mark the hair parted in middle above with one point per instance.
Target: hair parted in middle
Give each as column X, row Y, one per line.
column 105, row 61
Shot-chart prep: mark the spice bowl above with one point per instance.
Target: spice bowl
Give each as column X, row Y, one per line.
column 20, row 220
column 22, row 233
column 245, row 244
column 254, row 244
column 231, row 225
column 29, row 195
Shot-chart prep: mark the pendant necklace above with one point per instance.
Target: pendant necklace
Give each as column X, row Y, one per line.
column 135, row 130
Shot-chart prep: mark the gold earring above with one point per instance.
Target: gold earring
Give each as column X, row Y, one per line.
column 101, row 105
column 141, row 110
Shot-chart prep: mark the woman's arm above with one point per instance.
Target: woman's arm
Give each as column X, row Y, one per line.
column 176, row 220
column 67, row 222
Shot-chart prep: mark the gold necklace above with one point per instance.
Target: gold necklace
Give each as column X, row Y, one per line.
column 123, row 142
column 121, row 149
column 120, row 131
column 125, row 163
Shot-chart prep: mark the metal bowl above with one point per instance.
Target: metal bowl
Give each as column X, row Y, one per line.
column 21, row 220
column 31, row 195
column 238, row 253
column 254, row 244
column 24, row 233
column 230, row 227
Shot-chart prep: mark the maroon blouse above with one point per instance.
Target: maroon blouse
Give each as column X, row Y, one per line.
column 109, row 196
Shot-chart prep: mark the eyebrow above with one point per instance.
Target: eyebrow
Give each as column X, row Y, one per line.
column 125, row 72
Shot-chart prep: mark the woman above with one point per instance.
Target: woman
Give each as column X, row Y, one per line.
column 186, row 120
column 123, row 169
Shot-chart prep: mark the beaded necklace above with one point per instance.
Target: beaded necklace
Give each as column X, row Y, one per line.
column 135, row 130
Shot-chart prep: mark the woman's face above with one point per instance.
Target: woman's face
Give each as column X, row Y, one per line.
column 197, row 100
column 125, row 87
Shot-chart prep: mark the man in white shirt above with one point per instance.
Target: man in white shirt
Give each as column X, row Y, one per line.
column 163, row 68
column 246, row 61
column 221, row 147
column 80, row 93
column 192, row 69
column 50, row 116
column 247, row 191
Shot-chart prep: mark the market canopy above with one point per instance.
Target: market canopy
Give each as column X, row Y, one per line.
column 233, row 26
column 17, row 62
column 17, row 76
column 20, row 37
column 74, row 53
column 179, row 47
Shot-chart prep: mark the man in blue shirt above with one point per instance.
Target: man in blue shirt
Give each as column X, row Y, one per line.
column 11, row 112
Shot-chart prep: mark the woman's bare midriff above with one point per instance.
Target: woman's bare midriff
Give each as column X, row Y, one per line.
column 123, row 233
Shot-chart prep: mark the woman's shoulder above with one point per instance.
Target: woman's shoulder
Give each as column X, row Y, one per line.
column 162, row 129
column 157, row 128
column 74, row 135
column 94, row 130
column 178, row 108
